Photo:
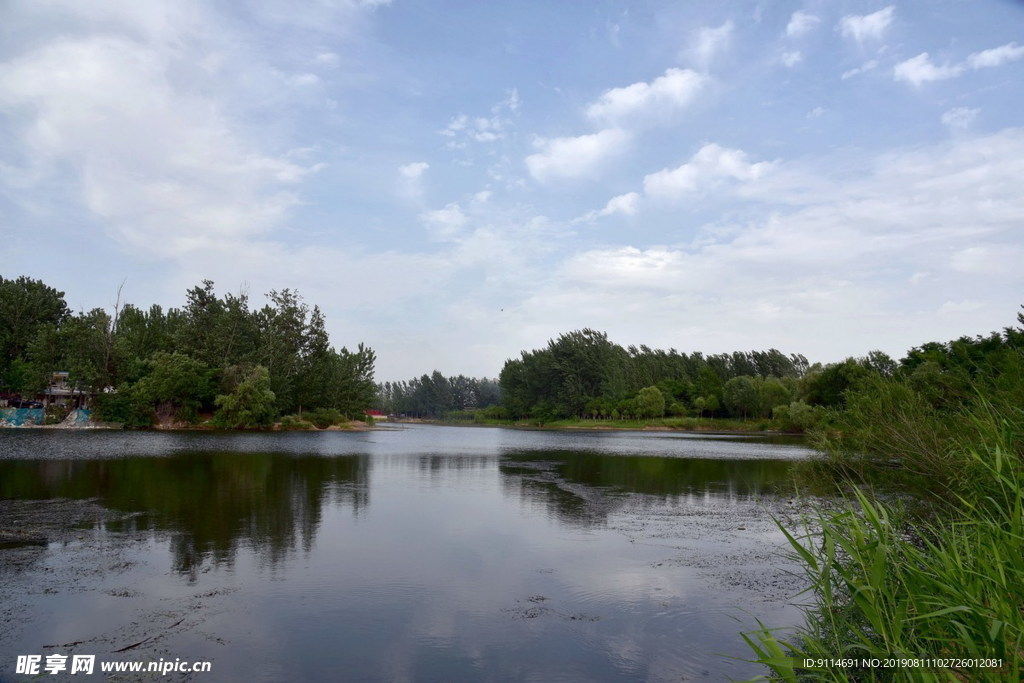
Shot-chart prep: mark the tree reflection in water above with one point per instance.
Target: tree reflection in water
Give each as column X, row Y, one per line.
column 211, row 503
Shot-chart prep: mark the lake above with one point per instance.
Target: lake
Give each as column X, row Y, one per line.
column 414, row 553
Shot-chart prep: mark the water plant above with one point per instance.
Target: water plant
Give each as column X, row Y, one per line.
column 901, row 597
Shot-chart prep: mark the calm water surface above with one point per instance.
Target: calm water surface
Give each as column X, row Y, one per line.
column 422, row 553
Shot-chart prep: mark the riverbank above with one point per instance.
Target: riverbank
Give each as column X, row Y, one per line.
column 14, row 418
column 666, row 424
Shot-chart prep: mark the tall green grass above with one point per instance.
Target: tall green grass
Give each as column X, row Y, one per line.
column 889, row 586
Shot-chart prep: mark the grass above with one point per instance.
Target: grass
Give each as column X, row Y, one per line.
column 886, row 585
column 675, row 423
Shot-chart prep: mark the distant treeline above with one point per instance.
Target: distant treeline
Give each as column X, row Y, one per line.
column 437, row 396
column 213, row 355
column 582, row 374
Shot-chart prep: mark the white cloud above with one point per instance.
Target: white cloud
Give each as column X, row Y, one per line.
column 574, row 157
column 484, row 129
column 625, row 204
column 445, row 223
column 710, row 164
column 327, row 58
column 304, row 80
column 410, row 180
column 800, row 23
column 867, row 27
column 920, row 69
column 145, row 111
column 158, row 163
column 866, row 66
column 413, row 170
column 996, row 56
column 829, row 273
column 660, row 98
column 960, row 118
column 988, row 259
column 791, row 59
column 706, row 43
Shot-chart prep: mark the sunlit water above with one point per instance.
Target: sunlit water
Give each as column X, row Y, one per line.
column 423, row 553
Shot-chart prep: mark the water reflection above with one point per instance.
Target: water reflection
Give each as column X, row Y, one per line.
column 213, row 502
column 217, row 492
column 578, row 487
column 487, row 553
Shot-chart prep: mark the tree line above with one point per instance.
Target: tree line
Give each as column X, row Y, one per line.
column 215, row 354
column 582, row 374
column 436, row 396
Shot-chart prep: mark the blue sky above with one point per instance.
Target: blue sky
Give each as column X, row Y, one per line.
column 453, row 182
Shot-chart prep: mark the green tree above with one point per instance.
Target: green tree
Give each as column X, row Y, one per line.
column 772, row 392
column 26, row 305
column 797, row 416
column 87, row 355
column 650, row 403
column 828, row 387
column 218, row 332
column 250, row 403
column 352, row 387
column 176, row 385
column 741, row 396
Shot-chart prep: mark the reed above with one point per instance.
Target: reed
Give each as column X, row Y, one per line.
column 889, row 586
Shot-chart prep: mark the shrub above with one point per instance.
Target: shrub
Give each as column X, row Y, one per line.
column 251, row 404
column 124, row 407
column 324, row 417
column 55, row 414
column 797, row 416
column 293, row 422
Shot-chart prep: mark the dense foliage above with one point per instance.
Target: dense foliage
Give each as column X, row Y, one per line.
column 583, row 374
column 946, row 584
column 437, row 396
column 213, row 354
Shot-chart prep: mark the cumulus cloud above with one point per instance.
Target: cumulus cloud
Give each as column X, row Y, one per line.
column 625, row 204
column 817, row 275
column 663, row 96
column 706, row 43
column 801, row 22
column 920, row 69
column 140, row 110
column 575, row 157
column 996, row 56
column 159, row 164
column 712, row 163
column 863, row 28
